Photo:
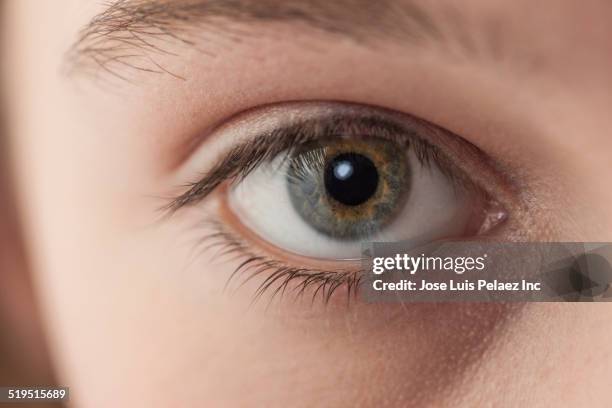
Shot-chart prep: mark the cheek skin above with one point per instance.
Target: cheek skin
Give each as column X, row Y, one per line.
column 349, row 348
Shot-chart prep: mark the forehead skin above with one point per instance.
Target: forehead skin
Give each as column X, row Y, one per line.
column 131, row 326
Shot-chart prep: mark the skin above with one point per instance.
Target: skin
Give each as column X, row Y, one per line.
column 134, row 318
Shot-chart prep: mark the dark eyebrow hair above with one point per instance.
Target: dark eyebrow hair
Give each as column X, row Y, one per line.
column 130, row 33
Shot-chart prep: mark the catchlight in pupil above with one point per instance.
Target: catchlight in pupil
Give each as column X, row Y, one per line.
column 351, row 179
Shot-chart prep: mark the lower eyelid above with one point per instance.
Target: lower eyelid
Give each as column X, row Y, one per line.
column 277, row 277
column 275, row 271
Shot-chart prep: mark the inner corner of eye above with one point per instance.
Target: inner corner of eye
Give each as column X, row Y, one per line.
column 329, row 197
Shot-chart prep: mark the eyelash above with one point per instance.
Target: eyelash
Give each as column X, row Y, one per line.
column 244, row 158
column 241, row 160
column 281, row 275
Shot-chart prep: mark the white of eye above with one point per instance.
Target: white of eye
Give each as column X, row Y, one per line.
column 435, row 208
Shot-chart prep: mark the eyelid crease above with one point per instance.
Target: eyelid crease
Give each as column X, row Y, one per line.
column 242, row 159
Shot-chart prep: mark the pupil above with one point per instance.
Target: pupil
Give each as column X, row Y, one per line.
column 351, row 178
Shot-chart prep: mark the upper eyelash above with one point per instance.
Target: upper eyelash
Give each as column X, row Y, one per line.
column 246, row 157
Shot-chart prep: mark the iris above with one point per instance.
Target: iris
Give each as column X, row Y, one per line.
column 348, row 189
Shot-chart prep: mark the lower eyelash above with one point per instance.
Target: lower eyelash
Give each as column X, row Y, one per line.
column 282, row 277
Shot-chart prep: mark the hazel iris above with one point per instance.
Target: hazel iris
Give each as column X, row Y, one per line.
column 348, row 189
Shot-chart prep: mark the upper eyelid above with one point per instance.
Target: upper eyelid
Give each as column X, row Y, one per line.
column 350, row 121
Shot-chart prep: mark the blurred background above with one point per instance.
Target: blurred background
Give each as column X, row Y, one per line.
column 24, row 360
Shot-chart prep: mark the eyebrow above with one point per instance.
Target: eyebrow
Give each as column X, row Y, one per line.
column 131, row 33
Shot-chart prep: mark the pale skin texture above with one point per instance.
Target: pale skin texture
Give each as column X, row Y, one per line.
column 135, row 319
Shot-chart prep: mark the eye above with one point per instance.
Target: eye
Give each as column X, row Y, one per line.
column 317, row 180
column 324, row 198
